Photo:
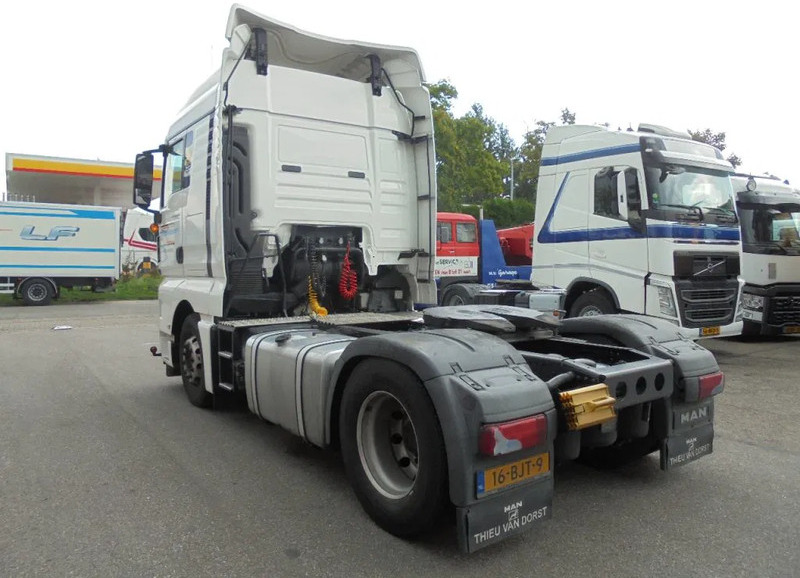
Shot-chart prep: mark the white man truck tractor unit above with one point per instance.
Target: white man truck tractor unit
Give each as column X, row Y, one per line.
column 769, row 214
column 639, row 222
column 296, row 237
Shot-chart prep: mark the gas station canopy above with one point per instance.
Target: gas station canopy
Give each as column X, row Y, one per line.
column 44, row 179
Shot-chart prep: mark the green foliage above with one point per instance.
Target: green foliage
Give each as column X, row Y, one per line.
column 469, row 152
column 134, row 288
column 715, row 139
column 508, row 213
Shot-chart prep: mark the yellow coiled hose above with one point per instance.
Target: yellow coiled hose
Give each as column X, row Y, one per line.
column 313, row 304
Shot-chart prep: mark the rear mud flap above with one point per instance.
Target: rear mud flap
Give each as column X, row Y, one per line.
column 495, row 519
column 688, row 446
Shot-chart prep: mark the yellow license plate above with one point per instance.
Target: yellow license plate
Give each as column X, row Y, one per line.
column 792, row 329
column 146, row 265
column 709, row 331
column 506, row 475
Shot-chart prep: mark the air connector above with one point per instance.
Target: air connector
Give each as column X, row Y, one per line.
column 587, row 406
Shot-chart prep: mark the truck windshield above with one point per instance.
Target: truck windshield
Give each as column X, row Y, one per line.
column 690, row 190
column 770, row 229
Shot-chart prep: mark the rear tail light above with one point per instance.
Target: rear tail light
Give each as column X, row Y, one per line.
column 503, row 438
column 711, row 384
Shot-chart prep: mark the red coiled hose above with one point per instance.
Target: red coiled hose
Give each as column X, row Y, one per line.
column 348, row 281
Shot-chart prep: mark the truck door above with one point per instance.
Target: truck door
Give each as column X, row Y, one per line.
column 618, row 255
column 176, row 191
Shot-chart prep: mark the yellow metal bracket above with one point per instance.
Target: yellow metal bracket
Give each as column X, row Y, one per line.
column 587, row 406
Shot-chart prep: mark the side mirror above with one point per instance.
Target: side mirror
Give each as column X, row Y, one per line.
column 143, row 180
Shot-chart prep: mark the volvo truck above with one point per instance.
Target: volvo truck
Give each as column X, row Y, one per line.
column 297, row 238
column 769, row 214
column 45, row 247
column 639, row 222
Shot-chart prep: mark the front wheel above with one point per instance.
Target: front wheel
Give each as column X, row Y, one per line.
column 392, row 448
column 461, row 294
column 37, row 292
column 191, row 362
column 591, row 303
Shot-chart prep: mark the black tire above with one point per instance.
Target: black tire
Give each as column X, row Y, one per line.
column 460, row 294
column 594, row 302
column 37, row 292
column 191, row 363
column 392, row 448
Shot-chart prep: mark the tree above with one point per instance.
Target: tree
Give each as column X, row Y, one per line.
column 470, row 151
column 717, row 140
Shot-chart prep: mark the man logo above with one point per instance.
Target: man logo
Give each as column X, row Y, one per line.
column 54, row 235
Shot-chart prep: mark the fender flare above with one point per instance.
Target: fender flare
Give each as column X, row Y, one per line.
column 441, row 359
column 589, row 281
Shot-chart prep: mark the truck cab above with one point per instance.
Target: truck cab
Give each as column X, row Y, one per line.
column 139, row 253
column 639, row 222
column 769, row 212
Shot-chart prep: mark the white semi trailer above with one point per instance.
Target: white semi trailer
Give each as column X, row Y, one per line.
column 296, row 242
column 45, row 247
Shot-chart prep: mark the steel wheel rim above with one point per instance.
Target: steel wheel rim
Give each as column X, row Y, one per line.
column 37, row 292
column 192, row 361
column 456, row 300
column 387, row 445
column 590, row 311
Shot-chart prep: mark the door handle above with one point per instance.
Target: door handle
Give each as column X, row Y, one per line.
column 599, row 254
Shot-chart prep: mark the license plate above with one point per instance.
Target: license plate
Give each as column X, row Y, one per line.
column 681, row 449
column 146, row 265
column 709, row 331
column 494, row 479
column 792, row 329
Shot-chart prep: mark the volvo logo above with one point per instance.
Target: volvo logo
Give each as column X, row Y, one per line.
column 711, row 264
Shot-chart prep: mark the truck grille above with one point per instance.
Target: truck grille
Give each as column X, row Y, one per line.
column 702, row 305
column 784, row 309
column 705, row 295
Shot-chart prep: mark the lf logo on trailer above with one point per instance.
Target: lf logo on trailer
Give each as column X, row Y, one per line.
column 54, row 234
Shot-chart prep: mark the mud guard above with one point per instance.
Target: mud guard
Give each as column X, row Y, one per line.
column 683, row 424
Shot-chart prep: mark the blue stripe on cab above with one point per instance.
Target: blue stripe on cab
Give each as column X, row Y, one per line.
column 66, row 249
column 72, row 213
column 7, row 266
column 593, row 154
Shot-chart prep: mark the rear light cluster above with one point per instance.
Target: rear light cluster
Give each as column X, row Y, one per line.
column 497, row 439
column 711, row 384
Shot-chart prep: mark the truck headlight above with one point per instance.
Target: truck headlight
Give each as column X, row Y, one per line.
column 753, row 302
column 666, row 302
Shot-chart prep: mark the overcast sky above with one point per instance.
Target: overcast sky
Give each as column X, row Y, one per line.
column 103, row 80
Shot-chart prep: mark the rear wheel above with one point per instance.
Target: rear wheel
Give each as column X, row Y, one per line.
column 591, row 303
column 37, row 292
column 392, row 448
column 191, row 363
column 460, row 294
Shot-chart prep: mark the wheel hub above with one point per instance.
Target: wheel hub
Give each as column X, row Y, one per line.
column 192, row 361
column 387, row 445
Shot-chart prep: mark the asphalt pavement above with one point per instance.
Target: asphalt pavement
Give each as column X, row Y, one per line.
column 107, row 470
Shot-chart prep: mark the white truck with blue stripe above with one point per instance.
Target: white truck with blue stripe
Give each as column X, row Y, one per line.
column 639, row 222
column 44, row 247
